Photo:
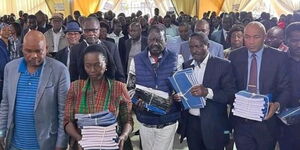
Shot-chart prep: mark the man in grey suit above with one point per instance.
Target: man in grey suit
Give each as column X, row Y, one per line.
column 215, row 49
column 32, row 108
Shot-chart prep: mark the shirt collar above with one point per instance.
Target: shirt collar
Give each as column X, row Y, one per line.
column 114, row 34
column 204, row 62
column 140, row 39
column 258, row 53
column 152, row 59
column 98, row 42
column 60, row 31
column 23, row 67
column 37, row 27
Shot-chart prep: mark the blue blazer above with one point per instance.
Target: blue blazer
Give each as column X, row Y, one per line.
column 214, row 48
column 214, row 119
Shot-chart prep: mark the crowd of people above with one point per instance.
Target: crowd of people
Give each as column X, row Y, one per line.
column 52, row 69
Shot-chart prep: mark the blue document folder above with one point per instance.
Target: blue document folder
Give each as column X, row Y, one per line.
column 290, row 116
column 182, row 82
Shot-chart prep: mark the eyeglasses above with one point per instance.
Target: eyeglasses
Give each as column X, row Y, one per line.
column 91, row 30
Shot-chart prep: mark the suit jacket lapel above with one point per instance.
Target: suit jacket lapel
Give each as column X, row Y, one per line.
column 144, row 43
column 14, row 82
column 244, row 68
column 186, row 52
column 264, row 68
column 127, row 49
column 44, row 79
column 65, row 55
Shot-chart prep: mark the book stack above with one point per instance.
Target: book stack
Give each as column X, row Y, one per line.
column 156, row 101
column 251, row 106
column 99, row 131
column 182, row 82
column 290, row 116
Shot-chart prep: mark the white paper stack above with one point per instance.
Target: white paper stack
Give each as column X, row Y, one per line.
column 97, row 137
column 251, row 106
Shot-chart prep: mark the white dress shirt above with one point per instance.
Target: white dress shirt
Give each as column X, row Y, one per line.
column 199, row 71
column 115, row 37
column 68, row 59
column 225, row 33
column 56, row 37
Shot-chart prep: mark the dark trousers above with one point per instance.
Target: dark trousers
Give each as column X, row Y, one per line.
column 253, row 135
column 194, row 134
column 290, row 137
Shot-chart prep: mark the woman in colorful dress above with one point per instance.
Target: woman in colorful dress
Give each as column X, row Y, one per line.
column 100, row 92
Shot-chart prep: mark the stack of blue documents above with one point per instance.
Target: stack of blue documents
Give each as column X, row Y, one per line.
column 104, row 118
column 98, row 131
column 182, row 82
column 251, row 106
column 290, row 116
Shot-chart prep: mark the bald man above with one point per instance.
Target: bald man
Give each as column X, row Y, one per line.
column 275, row 38
column 259, row 69
column 34, row 92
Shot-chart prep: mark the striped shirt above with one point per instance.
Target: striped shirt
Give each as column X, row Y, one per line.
column 24, row 136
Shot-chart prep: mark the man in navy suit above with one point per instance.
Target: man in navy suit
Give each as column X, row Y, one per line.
column 215, row 48
column 220, row 36
column 270, row 76
column 208, row 128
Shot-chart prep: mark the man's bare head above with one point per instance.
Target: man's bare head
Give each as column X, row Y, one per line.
column 254, row 36
column 34, row 48
column 275, row 37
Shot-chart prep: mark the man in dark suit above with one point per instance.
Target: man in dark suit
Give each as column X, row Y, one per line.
column 133, row 46
column 73, row 35
column 42, row 21
column 290, row 137
column 208, row 128
column 32, row 25
column 263, row 70
column 220, row 36
column 91, row 36
column 104, row 28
